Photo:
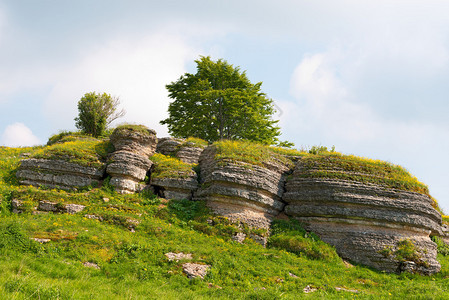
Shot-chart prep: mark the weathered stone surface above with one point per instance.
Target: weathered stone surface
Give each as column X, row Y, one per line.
column 168, row 145
column 70, row 208
column 178, row 256
column 363, row 220
column 193, row 270
column 16, row 206
column 189, row 154
column 57, row 173
column 241, row 191
column 127, row 169
column 140, row 142
column 175, row 188
column 129, row 164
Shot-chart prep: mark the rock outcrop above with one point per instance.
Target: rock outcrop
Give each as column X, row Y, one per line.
column 168, row 145
column 129, row 163
column 175, row 188
column 367, row 223
column 187, row 151
column 242, row 191
column 57, row 174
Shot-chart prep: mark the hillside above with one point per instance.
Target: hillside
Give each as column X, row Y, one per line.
column 118, row 245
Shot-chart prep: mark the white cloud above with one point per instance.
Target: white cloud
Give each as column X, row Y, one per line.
column 136, row 70
column 17, row 135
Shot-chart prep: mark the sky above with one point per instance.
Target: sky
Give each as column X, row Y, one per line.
column 368, row 77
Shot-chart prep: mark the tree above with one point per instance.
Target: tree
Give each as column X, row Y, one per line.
column 219, row 102
column 96, row 112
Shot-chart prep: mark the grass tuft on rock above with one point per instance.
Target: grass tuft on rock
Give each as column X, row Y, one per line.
column 333, row 165
column 91, row 152
column 170, row 167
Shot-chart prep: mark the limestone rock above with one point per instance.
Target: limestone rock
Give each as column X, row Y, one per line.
column 189, row 153
column 127, row 169
column 362, row 220
column 57, row 174
column 168, row 145
column 193, row 270
column 186, row 151
column 178, row 256
column 16, row 206
column 129, row 163
column 242, row 191
column 175, row 188
column 142, row 141
column 48, row 206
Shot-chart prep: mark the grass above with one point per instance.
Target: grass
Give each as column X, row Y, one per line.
column 142, row 129
column 90, row 152
column 253, row 153
column 348, row 167
column 133, row 264
column 194, row 142
column 170, row 167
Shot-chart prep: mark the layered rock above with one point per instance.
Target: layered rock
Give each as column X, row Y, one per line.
column 242, row 191
column 173, row 179
column 168, row 145
column 129, row 163
column 186, row 151
column 189, row 153
column 367, row 223
column 57, row 174
column 175, row 188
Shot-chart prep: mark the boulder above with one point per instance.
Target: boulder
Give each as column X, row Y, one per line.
column 367, row 223
column 57, row 174
column 137, row 139
column 186, row 151
column 241, row 191
column 127, row 169
column 129, row 164
column 189, row 153
column 168, row 145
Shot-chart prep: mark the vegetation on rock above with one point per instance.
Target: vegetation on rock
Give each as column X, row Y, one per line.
column 85, row 152
column 333, row 165
column 170, row 167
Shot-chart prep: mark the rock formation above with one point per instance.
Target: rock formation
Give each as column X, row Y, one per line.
column 172, row 179
column 57, row 173
column 367, row 223
column 187, row 151
column 168, row 145
column 129, row 163
column 175, row 188
column 242, row 191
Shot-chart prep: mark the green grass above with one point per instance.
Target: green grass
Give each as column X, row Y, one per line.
column 348, row 167
column 90, row 152
column 142, row 129
column 133, row 264
column 194, row 142
column 253, row 153
column 170, row 167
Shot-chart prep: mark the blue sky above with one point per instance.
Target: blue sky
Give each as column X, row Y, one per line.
column 370, row 77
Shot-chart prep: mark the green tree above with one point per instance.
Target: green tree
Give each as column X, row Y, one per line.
column 96, row 112
column 219, row 102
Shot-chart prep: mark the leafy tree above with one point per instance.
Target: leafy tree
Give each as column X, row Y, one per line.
column 219, row 102
column 96, row 112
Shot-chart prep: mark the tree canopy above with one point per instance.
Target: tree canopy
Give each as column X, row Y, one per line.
column 96, row 112
column 219, row 102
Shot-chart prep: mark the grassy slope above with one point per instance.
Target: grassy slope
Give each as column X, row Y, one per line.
column 133, row 265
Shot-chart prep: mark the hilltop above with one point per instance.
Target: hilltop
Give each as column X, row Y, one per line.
column 119, row 235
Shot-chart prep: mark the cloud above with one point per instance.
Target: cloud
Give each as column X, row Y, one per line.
column 135, row 70
column 17, row 135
